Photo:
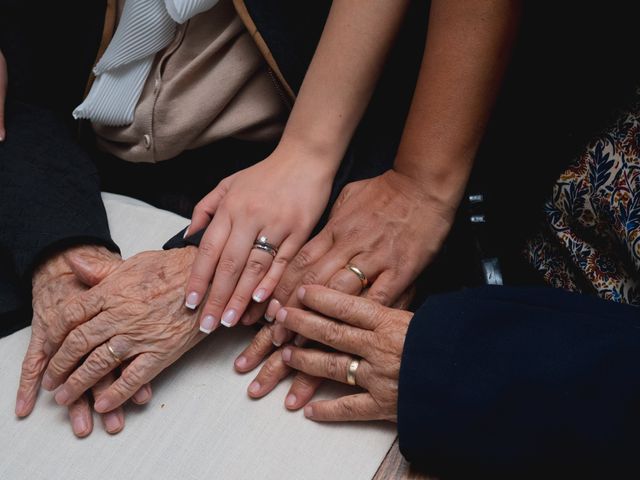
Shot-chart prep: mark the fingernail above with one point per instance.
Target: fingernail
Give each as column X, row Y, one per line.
column 186, row 232
column 101, row 405
column 259, row 295
column 301, row 292
column 241, row 361
column 229, row 317
column 112, row 422
column 192, row 301
column 281, row 315
column 276, row 342
column 308, row 411
column 207, row 324
column 299, row 341
column 142, row 395
column 62, row 396
column 286, row 354
column 291, row 400
column 20, row 406
column 47, row 382
column 254, row 387
column 79, row 425
column 272, row 309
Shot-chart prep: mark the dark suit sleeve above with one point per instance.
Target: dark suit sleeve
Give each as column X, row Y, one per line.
column 500, row 381
column 49, row 190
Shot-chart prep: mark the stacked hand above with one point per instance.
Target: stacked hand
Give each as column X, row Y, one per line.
column 57, row 281
column 136, row 315
column 279, row 200
column 388, row 228
column 370, row 339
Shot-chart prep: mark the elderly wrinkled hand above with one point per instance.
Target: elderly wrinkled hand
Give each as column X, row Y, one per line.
column 62, row 277
column 369, row 339
column 135, row 315
column 386, row 227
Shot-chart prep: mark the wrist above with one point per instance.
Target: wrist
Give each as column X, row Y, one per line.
column 313, row 161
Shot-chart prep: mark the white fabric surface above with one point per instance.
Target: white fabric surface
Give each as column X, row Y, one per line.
column 200, row 423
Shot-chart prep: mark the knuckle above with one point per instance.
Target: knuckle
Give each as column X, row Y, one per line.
column 131, row 379
column 271, row 369
column 302, row 260
column 31, row 368
column 73, row 313
column 304, row 382
column 199, row 279
column 207, row 248
column 96, row 365
column 310, row 278
column 380, row 296
column 228, row 266
column 333, row 333
column 255, row 268
column 344, row 308
column 332, row 367
column 77, row 341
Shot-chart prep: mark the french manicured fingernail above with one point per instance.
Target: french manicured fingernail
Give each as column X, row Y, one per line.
column 2, row 135
column 47, row 382
column 272, row 309
column 62, row 396
column 112, row 422
column 281, row 315
column 186, row 232
column 291, row 400
column 101, row 405
column 20, row 406
column 207, row 324
column 299, row 340
column 259, row 295
column 286, row 354
column 308, row 411
column 79, row 425
column 254, row 387
column 276, row 342
column 301, row 292
column 193, row 299
column 229, row 317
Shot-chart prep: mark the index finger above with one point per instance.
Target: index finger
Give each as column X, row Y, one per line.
column 356, row 311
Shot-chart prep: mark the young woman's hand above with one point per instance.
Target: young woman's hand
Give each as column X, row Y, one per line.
column 256, row 221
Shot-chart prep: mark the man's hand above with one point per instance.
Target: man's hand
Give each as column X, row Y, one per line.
column 3, row 93
column 59, row 279
column 136, row 314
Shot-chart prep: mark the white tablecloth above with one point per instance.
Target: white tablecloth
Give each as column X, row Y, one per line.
column 200, row 423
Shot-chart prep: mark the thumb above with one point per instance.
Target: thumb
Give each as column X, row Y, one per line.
column 91, row 266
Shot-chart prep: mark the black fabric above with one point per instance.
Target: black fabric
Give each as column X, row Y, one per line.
column 501, row 381
column 573, row 68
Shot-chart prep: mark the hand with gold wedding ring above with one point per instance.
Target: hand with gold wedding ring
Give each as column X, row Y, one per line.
column 355, row 327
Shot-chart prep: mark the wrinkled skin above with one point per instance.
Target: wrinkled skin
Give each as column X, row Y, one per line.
column 360, row 328
column 56, row 281
column 138, row 309
column 388, row 228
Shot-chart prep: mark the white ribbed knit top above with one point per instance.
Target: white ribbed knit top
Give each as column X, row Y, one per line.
column 145, row 28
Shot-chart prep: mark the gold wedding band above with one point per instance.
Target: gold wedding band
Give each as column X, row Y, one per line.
column 351, row 371
column 358, row 272
column 114, row 354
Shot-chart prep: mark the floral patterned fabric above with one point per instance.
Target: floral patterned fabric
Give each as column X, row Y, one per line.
column 590, row 242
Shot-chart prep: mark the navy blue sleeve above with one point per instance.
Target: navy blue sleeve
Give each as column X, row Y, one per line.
column 49, row 191
column 502, row 381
